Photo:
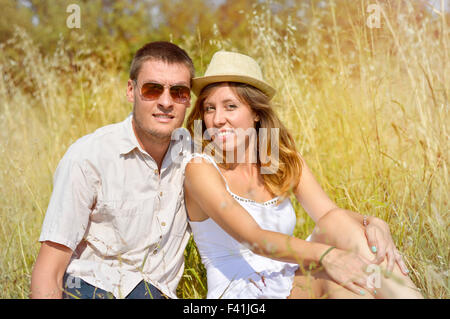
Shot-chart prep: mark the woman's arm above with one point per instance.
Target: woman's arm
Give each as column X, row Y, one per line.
column 48, row 271
column 315, row 201
column 206, row 188
column 317, row 204
column 311, row 196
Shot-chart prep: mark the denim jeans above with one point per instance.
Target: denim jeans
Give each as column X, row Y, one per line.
column 77, row 288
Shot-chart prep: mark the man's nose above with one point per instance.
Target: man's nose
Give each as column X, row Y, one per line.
column 165, row 100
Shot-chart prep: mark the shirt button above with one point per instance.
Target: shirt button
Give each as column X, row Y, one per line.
column 163, row 224
column 160, row 193
column 156, row 172
column 155, row 251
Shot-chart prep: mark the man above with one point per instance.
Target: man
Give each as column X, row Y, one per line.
column 115, row 225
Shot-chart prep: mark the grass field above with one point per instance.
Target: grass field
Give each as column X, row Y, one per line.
column 369, row 108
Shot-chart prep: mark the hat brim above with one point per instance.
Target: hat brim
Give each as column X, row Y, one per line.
column 200, row 82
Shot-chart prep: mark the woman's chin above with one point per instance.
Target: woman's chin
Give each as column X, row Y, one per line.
column 230, row 151
column 226, row 149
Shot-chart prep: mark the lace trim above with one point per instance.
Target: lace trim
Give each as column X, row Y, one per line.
column 246, row 200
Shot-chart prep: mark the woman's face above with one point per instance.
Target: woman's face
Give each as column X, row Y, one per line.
column 229, row 120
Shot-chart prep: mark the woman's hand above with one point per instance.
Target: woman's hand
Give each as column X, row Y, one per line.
column 347, row 269
column 381, row 243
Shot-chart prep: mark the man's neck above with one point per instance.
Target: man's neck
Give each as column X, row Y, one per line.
column 155, row 147
column 157, row 151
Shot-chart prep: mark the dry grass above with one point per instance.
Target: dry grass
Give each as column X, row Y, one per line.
column 368, row 108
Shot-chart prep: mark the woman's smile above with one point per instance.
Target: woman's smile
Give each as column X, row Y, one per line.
column 227, row 119
column 223, row 135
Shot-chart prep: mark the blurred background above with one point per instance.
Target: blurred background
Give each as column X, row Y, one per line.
column 363, row 85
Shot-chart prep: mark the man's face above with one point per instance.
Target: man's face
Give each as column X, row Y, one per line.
column 157, row 119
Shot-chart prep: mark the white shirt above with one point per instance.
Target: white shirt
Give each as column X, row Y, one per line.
column 233, row 270
column 124, row 221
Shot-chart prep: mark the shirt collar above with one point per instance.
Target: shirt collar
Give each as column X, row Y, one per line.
column 129, row 142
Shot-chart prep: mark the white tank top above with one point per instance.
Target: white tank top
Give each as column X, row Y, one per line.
column 233, row 270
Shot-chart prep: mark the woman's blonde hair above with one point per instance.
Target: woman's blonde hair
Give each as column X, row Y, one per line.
column 289, row 167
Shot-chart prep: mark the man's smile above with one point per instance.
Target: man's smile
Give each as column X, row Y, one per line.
column 163, row 117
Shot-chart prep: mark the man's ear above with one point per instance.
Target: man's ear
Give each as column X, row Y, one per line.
column 130, row 91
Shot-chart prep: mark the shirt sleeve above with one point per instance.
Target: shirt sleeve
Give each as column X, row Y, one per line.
column 73, row 196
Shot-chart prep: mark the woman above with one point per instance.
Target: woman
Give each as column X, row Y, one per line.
column 240, row 214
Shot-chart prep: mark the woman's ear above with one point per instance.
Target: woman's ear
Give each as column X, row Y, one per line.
column 256, row 119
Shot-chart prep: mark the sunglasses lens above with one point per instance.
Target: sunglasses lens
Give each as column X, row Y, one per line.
column 180, row 93
column 152, row 91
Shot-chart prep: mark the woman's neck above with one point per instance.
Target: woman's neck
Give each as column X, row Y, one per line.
column 243, row 166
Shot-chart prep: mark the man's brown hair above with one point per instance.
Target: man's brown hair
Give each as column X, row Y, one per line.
column 160, row 51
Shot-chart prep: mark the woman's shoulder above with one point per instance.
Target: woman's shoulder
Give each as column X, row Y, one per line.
column 199, row 155
column 199, row 158
column 202, row 173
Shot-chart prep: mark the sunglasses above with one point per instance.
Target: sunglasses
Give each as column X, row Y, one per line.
column 151, row 91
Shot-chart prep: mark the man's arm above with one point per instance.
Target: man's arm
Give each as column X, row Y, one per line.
column 64, row 226
column 48, row 271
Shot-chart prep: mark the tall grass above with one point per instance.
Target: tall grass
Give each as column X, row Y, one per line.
column 368, row 108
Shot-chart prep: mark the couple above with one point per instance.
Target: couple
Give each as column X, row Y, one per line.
column 127, row 197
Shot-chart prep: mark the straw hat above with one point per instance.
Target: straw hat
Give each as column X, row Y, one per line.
column 232, row 67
